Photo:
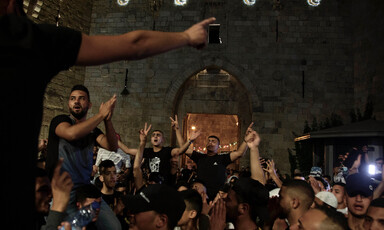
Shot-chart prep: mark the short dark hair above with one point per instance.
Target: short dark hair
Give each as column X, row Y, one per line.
column 213, row 136
column 378, row 202
column 104, row 165
column 192, row 200
column 335, row 220
column 81, row 88
column 302, row 188
column 87, row 191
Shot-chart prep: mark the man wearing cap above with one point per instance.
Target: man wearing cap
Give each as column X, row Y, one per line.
column 157, row 206
column 374, row 220
column 359, row 191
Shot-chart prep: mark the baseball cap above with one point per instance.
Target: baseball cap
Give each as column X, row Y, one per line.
column 157, row 197
column 328, row 198
column 316, row 171
column 255, row 194
column 359, row 184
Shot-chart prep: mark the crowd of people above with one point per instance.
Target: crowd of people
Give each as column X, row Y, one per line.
column 143, row 187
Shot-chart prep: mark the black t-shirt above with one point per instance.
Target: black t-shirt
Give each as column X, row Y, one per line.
column 211, row 170
column 109, row 199
column 30, row 56
column 159, row 161
column 78, row 154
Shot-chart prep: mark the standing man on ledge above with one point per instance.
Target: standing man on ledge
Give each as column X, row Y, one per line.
column 24, row 47
column 211, row 167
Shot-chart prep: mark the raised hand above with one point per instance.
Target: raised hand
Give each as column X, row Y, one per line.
column 253, row 139
column 194, row 135
column 61, row 188
column 197, row 34
column 218, row 221
column 144, row 132
column 106, row 108
column 248, row 133
column 174, row 123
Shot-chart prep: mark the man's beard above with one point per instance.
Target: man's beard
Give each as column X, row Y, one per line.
column 79, row 115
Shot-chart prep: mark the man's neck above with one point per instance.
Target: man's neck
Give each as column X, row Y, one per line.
column 293, row 217
column 189, row 226
column 157, row 148
column 355, row 222
column 107, row 191
column 78, row 120
column 211, row 153
column 245, row 223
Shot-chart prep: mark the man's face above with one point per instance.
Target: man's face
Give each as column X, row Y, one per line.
column 89, row 201
column 212, row 145
column 358, row 205
column 311, row 220
column 109, row 177
column 43, row 194
column 157, row 138
column 374, row 220
column 284, row 202
column 79, row 104
column 338, row 191
column 231, row 205
column 143, row 221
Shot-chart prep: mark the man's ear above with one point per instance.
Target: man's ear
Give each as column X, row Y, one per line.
column 243, row 208
column 192, row 214
column 295, row 203
column 101, row 178
column 161, row 221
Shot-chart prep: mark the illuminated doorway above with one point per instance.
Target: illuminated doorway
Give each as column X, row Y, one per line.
column 225, row 127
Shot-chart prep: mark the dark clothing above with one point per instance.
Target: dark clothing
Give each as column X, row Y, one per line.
column 159, row 162
column 30, row 56
column 78, row 154
column 211, row 170
column 109, row 199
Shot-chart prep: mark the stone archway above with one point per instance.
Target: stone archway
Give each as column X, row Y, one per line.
column 214, row 89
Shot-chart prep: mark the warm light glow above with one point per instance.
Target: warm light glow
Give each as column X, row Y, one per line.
column 313, row 2
column 249, row 2
column 180, row 2
column 122, row 2
column 193, row 127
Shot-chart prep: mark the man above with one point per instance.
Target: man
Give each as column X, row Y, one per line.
column 108, row 178
column 157, row 206
column 359, row 193
column 89, row 195
column 295, row 198
column 72, row 137
column 158, row 158
column 338, row 189
column 321, row 218
column 211, row 167
column 24, row 46
column 245, row 206
column 374, row 220
column 193, row 206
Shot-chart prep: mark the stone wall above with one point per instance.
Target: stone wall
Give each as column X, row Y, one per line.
column 262, row 48
column 267, row 49
column 74, row 14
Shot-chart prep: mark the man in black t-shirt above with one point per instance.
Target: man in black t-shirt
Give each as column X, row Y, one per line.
column 211, row 167
column 158, row 158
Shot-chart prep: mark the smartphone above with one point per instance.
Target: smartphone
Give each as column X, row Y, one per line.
column 214, row 34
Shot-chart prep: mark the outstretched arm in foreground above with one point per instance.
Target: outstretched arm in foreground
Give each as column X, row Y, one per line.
column 139, row 44
column 243, row 146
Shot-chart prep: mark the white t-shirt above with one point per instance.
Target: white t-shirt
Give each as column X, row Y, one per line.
column 119, row 158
